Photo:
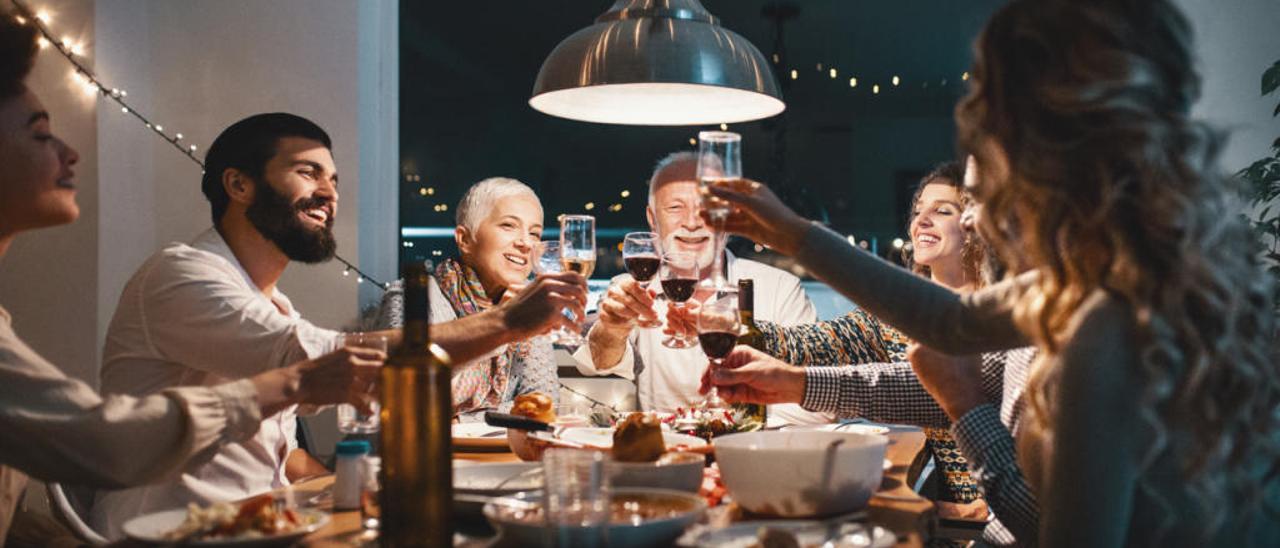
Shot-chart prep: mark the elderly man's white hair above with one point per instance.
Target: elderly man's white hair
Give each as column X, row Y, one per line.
column 479, row 200
column 665, row 163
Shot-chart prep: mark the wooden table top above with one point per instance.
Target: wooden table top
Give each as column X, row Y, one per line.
column 895, row 506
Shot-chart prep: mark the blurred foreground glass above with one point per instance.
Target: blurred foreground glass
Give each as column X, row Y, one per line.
column 351, row 420
column 577, row 497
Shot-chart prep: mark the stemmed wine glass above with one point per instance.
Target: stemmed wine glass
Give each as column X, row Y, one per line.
column 679, row 276
column 718, row 329
column 577, row 253
column 640, row 254
column 719, row 162
column 547, row 261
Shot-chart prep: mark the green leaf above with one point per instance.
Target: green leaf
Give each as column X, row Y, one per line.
column 1271, row 79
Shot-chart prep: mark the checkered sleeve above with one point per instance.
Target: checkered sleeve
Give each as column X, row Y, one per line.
column 882, row 392
column 989, row 448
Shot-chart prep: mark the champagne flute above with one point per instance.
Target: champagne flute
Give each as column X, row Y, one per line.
column 547, row 261
column 577, row 254
column 640, row 254
column 719, row 162
column 718, row 329
column 679, row 276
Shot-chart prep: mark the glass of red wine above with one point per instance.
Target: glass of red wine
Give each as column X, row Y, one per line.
column 640, row 254
column 678, row 273
column 718, row 330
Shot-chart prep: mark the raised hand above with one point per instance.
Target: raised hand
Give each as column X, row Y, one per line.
column 748, row 375
column 346, row 375
column 758, row 214
column 624, row 303
column 537, row 307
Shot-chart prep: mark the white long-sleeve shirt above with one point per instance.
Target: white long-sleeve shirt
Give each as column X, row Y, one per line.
column 667, row 378
column 56, row 428
column 192, row 316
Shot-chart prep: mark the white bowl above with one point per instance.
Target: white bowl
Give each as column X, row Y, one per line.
column 678, row 471
column 801, row 474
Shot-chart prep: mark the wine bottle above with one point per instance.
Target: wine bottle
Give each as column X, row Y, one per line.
column 417, row 411
column 753, row 337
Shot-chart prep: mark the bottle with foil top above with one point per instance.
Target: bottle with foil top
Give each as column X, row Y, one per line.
column 417, row 410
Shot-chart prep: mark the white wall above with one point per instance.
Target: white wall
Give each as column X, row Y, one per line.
column 197, row 67
column 1235, row 41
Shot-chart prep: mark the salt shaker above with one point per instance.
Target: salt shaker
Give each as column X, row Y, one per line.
column 349, row 474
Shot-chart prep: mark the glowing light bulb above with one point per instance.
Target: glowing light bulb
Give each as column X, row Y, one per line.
column 895, row 80
column 853, row 82
column 794, row 74
column 875, row 88
column 44, row 16
column 832, row 72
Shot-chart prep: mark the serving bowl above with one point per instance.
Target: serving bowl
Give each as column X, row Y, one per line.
column 640, row 518
column 795, row 474
column 674, row 470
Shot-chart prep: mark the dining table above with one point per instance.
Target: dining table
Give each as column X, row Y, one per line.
column 895, row 506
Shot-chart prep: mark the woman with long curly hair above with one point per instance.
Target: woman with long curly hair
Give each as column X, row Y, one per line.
column 1155, row 401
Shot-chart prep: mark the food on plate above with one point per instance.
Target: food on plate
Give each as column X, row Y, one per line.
column 536, row 406
column 712, row 489
column 253, row 518
column 710, row 423
column 638, row 439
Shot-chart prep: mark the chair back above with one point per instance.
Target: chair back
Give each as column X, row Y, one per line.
column 70, row 505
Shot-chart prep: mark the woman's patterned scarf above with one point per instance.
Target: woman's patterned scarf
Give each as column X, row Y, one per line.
column 480, row 384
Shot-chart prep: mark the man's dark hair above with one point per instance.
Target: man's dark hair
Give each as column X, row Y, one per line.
column 247, row 146
column 17, row 54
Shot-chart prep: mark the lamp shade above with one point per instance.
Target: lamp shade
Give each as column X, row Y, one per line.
column 657, row 63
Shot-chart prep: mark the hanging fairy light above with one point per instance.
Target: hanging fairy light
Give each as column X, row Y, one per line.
column 71, row 50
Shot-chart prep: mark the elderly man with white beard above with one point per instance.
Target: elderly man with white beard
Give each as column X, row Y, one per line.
column 667, row 378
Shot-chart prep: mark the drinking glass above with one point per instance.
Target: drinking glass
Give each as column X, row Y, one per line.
column 640, row 254
column 548, row 261
column 351, row 420
column 719, row 163
column 679, row 277
column 576, row 500
column 577, row 253
column 718, row 330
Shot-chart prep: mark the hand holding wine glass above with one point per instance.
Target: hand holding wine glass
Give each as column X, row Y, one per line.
column 718, row 330
column 679, row 276
column 640, row 255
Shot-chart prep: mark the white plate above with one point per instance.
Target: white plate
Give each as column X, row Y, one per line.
column 478, row 434
column 809, row 533
column 852, row 427
column 153, row 528
column 497, row 478
column 603, row 437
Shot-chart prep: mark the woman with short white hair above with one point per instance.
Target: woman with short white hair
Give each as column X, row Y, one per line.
column 482, row 303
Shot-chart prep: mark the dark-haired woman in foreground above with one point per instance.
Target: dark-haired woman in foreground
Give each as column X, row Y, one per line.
column 59, row 429
column 1153, row 405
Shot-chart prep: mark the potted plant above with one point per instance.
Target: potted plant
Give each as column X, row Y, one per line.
column 1263, row 182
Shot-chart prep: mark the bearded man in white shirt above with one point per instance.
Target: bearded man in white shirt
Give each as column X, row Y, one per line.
column 209, row 311
column 667, row 378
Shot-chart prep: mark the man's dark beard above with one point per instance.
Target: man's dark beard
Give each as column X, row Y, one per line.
column 278, row 221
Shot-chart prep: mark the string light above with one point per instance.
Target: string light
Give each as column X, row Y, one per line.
column 853, row 82
column 833, row 74
column 794, row 74
column 875, row 89
column 589, row 206
column 895, row 80
column 422, row 192
column 70, row 50
column 693, row 141
column 626, row 194
column 965, row 76
column 724, row 127
column 898, row 243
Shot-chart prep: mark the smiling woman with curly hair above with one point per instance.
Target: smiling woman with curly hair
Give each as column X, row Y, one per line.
column 1154, row 407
